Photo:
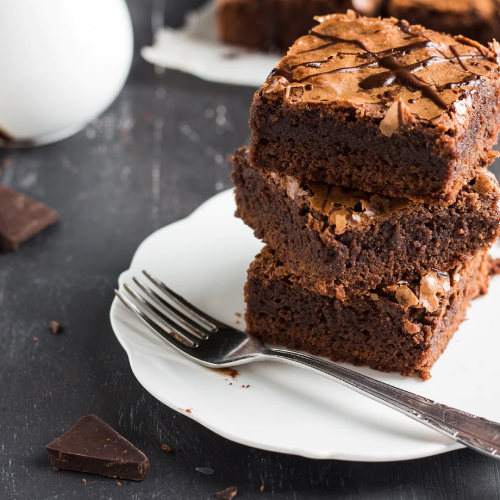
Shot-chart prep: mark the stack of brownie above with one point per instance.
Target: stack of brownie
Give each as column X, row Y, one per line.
column 366, row 178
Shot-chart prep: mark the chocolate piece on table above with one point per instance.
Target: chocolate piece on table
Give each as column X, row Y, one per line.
column 276, row 24
column 21, row 218
column 227, row 494
column 379, row 105
column 343, row 242
column 402, row 328
column 93, row 446
column 476, row 19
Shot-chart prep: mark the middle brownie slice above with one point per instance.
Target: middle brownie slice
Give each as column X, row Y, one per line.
column 341, row 242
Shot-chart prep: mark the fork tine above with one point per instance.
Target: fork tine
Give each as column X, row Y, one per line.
column 154, row 326
column 179, row 330
column 197, row 329
column 200, row 316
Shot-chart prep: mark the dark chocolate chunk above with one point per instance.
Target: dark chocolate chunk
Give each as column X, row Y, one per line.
column 93, row 446
column 21, row 218
column 227, row 494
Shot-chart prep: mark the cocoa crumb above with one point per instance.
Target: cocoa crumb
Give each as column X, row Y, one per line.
column 227, row 372
column 55, row 327
column 84, row 480
column 166, row 448
column 118, row 483
column 227, row 494
column 262, row 488
column 238, row 315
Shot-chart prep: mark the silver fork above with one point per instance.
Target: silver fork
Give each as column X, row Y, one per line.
column 213, row 344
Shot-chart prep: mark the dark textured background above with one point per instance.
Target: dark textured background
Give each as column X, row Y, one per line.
column 101, row 182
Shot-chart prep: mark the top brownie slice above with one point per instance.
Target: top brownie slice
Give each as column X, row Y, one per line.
column 379, row 105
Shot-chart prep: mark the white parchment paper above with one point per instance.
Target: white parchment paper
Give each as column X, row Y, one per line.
column 195, row 49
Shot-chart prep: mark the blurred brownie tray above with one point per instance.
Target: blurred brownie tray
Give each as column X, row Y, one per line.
column 343, row 242
column 476, row 19
column 276, row 24
column 403, row 328
column 379, row 105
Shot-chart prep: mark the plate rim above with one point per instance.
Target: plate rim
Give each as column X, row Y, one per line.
column 432, row 449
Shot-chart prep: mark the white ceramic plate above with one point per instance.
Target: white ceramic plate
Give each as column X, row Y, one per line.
column 195, row 49
column 286, row 409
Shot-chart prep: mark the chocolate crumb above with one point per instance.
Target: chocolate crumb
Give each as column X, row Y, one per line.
column 166, row 448
column 238, row 315
column 227, row 372
column 55, row 327
column 227, row 494
column 118, row 483
column 262, row 488
column 188, row 411
column 84, row 480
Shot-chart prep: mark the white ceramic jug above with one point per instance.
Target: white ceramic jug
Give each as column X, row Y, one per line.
column 62, row 62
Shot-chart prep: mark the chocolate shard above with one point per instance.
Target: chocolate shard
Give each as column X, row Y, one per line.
column 93, row 446
column 21, row 218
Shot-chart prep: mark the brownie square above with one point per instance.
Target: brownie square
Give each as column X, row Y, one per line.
column 344, row 242
column 403, row 328
column 276, row 24
column 476, row 19
column 379, row 105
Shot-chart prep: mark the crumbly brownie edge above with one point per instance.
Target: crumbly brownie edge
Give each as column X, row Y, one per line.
column 382, row 253
column 378, row 333
column 422, row 162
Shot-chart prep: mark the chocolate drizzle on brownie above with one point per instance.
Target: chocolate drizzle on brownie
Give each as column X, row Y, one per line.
column 398, row 72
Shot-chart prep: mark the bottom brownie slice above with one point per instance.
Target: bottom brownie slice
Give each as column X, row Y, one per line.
column 403, row 328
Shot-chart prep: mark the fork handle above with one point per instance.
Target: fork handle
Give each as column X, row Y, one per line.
column 475, row 432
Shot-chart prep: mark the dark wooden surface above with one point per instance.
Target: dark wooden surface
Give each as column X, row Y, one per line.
column 151, row 159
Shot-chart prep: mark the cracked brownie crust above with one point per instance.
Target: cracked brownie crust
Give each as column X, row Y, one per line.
column 343, row 242
column 379, row 105
column 403, row 328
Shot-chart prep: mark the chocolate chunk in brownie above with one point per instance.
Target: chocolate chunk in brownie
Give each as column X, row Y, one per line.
column 379, row 105
column 93, row 446
column 276, row 24
column 342, row 242
column 402, row 328
column 21, row 218
column 476, row 19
